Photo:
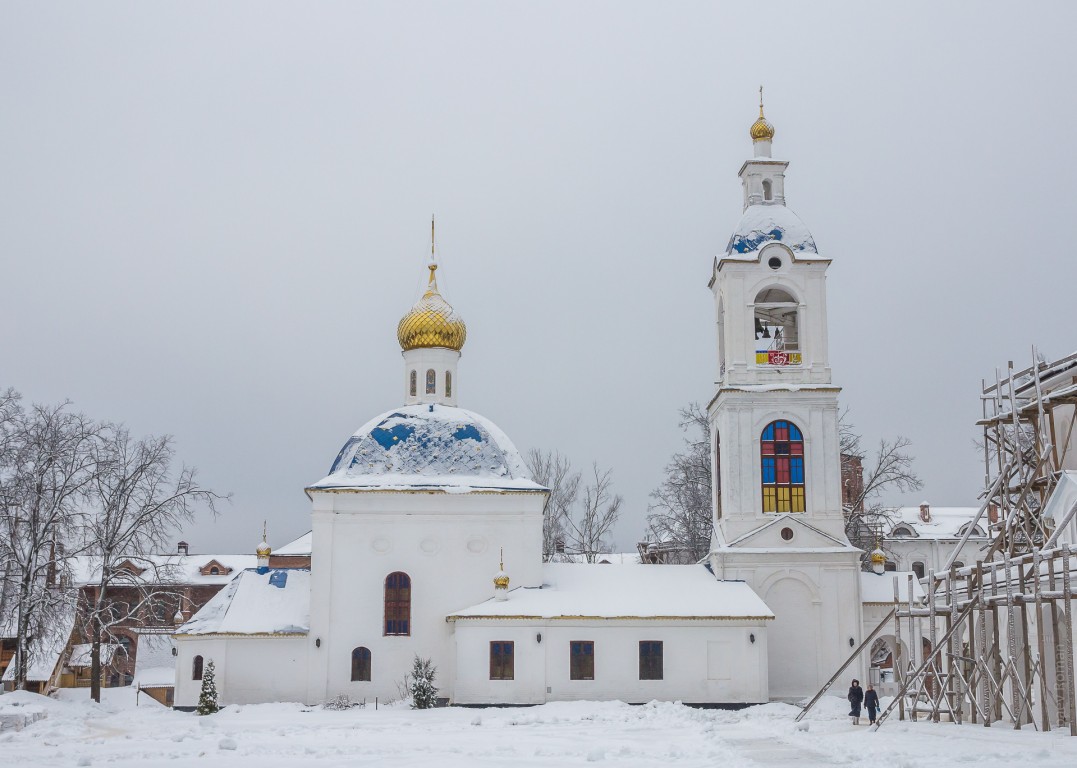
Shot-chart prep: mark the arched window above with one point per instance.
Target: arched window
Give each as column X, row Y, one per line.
column 214, row 571
column 782, row 450
column 431, row 381
column 918, row 569
column 361, row 664
column 768, row 194
column 958, row 564
column 196, row 668
column 448, row 384
column 777, row 338
column 398, row 604
column 126, row 645
column 412, row 386
column 717, row 475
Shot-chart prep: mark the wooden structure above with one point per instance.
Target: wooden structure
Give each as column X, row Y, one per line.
column 993, row 643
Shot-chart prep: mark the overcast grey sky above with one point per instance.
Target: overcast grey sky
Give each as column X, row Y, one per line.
column 212, row 216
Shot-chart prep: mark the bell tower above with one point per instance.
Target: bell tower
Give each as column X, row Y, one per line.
column 774, row 421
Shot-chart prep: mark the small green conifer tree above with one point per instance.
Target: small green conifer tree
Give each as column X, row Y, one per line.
column 423, row 693
column 207, row 701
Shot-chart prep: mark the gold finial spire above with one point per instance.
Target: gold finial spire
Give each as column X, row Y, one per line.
column 263, row 549
column 431, row 322
column 761, row 130
column 501, row 581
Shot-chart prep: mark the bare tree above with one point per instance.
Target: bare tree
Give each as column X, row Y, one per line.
column 599, row 510
column 682, row 516
column 554, row 471
column 866, row 518
column 46, row 465
column 137, row 500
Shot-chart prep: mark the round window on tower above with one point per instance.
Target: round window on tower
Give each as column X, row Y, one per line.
column 774, row 263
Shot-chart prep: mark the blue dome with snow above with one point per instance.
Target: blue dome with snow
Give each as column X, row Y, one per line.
column 763, row 224
column 428, row 445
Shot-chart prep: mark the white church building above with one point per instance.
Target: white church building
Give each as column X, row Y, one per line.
column 427, row 532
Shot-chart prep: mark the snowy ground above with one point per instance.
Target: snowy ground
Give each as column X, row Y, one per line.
column 76, row 732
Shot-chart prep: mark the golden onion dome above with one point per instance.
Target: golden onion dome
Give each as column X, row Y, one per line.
column 432, row 322
column 263, row 549
column 878, row 556
column 761, row 130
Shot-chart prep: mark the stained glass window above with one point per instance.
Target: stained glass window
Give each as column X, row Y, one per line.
column 782, row 455
column 398, row 604
column 448, row 384
column 412, row 388
column 431, row 381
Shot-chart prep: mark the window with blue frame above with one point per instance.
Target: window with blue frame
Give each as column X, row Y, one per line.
column 650, row 659
column 581, row 660
column 502, row 654
column 398, row 604
column 782, row 455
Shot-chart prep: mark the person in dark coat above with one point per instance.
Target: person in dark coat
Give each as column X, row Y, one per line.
column 856, row 698
column 871, row 701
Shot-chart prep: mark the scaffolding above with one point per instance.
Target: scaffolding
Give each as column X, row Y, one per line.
column 993, row 643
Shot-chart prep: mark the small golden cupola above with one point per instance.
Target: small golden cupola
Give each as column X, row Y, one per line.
column 262, row 552
column 432, row 322
column 501, row 580
column 762, row 130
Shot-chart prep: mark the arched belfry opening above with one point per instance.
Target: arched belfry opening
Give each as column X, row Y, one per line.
column 777, row 333
column 768, row 191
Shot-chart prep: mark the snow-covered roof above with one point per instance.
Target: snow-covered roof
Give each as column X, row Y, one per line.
column 879, row 587
column 570, row 590
column 81, row 654
column 168, row 569
column 429, row 446
column 45, row 652
column 155, row 666
column 946, row 522
column 763, row 224
column 276, row 602
column 300, row 546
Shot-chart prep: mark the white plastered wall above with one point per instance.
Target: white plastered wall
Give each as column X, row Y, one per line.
column 704, row 661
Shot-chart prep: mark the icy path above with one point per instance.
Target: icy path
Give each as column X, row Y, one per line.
column 287, row 735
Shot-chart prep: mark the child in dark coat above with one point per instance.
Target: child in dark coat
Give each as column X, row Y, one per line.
column 871, row 701
column 856, row 698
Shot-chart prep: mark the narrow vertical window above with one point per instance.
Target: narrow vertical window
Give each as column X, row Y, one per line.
column 768, row 194
column 361, row 664
column 196, row 668
column 448, row 384
column 398, row 604
column 431, row 381
column 412, row 388
column 918, row 569
column 650, row 659
column 501, row 659
column 782, row 457
column 581, row 660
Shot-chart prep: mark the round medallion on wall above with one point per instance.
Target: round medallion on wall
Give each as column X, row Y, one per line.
column 429, row 545
column 381, row 544
column 476, row 545
column 787, row 534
